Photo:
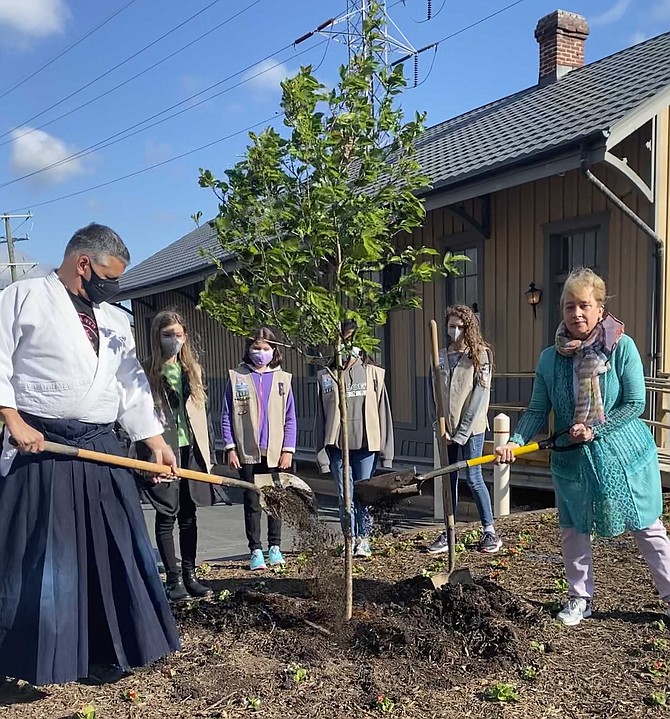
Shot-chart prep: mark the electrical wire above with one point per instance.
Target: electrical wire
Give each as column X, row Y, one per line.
column 190, row 152
column 114, row 139
column 431, row 15
column 65, row 51
column 480, row 21
column 134, row 77
column 154, row 166
column 111, row 70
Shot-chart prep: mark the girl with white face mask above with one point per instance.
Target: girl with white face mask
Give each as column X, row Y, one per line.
column 177, row 384
column 464, row 381
column 259, row 430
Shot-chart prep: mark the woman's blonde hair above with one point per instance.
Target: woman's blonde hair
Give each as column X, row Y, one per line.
column 187, row 357
column 472, row 337
column 581, row 282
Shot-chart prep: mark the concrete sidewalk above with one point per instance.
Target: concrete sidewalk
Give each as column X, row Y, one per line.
column 221, row 533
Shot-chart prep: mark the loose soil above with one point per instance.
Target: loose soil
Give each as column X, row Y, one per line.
column 273, row 644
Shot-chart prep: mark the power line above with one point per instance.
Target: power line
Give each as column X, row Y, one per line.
column 156, row 165
column 134, row 77
column 126, row 133
column 116, row 67
column 66, row 50
column 459, row 32
column 101, row 145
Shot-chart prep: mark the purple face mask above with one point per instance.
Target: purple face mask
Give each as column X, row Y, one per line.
column 261, row 358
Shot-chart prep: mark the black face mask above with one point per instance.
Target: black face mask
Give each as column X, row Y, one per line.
column 98, row 289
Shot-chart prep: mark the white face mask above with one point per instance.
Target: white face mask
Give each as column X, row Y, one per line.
column 455, row 333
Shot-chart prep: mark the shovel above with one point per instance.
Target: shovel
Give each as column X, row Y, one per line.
column 409, row 483
column 262, row 482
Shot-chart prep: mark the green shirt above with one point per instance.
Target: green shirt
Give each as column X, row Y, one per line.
column 172, row 374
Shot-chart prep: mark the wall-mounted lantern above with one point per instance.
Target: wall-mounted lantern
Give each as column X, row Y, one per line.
column 533, row 297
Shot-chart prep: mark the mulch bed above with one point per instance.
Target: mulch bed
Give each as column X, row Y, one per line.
column 272, row 644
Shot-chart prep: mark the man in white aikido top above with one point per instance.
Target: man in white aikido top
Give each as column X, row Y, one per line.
column 79, row 588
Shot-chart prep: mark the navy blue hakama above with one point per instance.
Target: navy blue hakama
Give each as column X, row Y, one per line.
column 78, row 579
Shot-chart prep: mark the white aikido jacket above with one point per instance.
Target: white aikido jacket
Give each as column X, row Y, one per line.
column 49, row 368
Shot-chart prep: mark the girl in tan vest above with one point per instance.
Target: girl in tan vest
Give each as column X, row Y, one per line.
column 177, row 384
column 259, row 432
column 370, row 432
column 466, row 367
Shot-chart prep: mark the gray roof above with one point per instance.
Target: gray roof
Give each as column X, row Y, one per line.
column 545, row 118
column 514, row 130
column 182, row 259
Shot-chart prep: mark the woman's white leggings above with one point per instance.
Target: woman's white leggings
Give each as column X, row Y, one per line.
column 652, row 542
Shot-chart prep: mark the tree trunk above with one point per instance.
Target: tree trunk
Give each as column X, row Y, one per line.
column 346, row 497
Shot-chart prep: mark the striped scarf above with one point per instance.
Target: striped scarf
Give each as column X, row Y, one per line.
column 591, row 358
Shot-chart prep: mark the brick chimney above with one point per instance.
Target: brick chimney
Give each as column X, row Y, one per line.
column 562, row 36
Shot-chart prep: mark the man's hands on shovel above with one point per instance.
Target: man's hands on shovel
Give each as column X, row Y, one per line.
column 26, row 438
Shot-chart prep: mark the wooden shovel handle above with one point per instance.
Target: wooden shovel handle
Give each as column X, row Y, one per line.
column 151, row 467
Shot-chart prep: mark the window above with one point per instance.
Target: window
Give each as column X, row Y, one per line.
column 584, row 244
column 465, row 288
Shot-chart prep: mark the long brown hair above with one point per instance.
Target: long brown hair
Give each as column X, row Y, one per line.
column 473, row 340
column 187, row 357
column 263, row 334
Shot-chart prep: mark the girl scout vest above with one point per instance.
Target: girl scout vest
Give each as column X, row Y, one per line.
column 331, row 407
column 456, row 389
column 245, row 413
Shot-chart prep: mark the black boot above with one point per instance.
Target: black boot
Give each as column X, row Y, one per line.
column 193, row 586
column 176, row 592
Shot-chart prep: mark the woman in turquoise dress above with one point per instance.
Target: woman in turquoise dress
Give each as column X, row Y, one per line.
column 593, row 380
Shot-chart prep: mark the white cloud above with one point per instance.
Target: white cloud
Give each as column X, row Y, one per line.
column 613, row 14
column 92, row 204
column 661, row 10
column 31, row 151
column 37, row 18
column 637, row 37
column 266, row 76
column 155, row 151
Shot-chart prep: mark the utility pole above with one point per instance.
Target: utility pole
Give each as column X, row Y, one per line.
column 11, row 257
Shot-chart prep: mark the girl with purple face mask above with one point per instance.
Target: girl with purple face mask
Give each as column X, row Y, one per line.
column 259, row 431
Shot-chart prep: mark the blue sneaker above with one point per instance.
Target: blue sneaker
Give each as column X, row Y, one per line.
column 257, row 561
column 275, row 556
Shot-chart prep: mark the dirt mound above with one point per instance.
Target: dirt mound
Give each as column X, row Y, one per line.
column 406, row 619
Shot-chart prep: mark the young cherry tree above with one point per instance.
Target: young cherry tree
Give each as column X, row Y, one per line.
column 319, row 221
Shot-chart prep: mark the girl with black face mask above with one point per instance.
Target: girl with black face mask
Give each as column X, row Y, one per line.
column 179, row 393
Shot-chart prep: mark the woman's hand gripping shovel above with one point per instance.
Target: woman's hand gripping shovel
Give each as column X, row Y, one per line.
column 265, row 485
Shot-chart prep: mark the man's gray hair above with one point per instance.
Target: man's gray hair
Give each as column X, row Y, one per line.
column 98, row 241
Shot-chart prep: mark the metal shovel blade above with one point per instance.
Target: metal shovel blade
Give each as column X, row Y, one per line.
column 400, row 484
column 285, row 481
column 458, row 576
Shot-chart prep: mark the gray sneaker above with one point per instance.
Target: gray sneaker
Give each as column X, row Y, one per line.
column 576, row 609
column 490, row 543
column 440, row 545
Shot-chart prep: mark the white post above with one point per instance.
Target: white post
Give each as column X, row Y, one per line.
column 438, row 500
column 501, row 472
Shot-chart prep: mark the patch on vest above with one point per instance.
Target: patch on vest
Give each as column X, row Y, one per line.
column 327, row 384
column 359, row 389
column 242, row 392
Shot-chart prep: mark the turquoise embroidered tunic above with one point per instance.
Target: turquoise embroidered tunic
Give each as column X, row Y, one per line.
column 612, row 484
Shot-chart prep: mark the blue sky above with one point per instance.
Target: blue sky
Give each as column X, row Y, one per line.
column 153, row 209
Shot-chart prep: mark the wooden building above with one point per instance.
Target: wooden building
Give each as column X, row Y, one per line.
column 573, row 171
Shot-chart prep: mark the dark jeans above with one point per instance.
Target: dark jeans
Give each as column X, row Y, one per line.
column 473, row 476
column 188, row 528
column 253, row 511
